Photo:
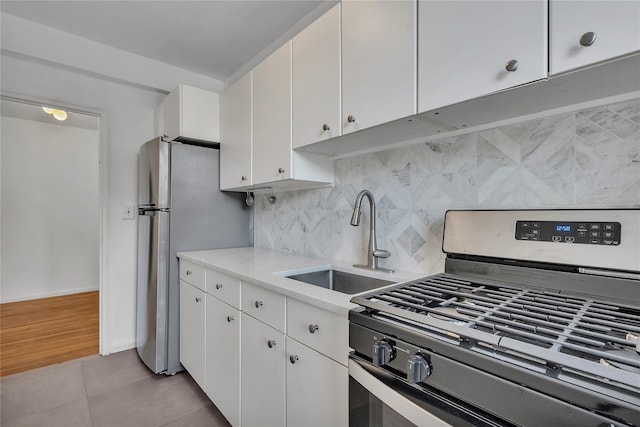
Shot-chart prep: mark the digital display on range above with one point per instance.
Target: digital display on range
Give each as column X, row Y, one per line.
column 590, row 233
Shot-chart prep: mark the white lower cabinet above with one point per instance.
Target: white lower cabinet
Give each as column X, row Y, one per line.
column 263, row 374
column 317, row 388
column 264, row 359
column 223, row 358
column 192, row 332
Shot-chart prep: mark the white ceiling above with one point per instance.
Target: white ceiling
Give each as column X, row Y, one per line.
column 211, row 37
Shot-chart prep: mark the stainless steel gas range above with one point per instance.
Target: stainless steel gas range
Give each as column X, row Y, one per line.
column 535, row 322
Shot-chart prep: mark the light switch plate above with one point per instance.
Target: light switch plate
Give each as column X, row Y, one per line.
column 128, row 212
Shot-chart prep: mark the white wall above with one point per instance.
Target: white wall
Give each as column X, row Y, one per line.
column 40, row 63
column 127, row 122
column 50, row 226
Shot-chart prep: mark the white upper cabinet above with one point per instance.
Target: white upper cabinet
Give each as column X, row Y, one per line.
column 378, row 62
column 316, row 80
column 235, row 135
column 467, row 49
column 191, row 113
column 272, row 117
column 586, row 32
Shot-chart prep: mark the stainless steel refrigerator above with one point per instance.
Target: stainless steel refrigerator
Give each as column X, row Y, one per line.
column 180, row 208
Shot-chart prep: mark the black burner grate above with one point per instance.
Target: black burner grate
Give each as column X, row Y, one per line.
column 590, row 336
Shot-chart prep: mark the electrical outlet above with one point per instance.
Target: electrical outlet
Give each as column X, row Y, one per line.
column 128, row 212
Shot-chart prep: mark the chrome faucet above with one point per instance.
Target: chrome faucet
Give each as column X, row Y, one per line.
column 373, row 253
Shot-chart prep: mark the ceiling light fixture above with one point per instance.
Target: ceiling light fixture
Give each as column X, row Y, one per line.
column 60, row 115
column 57, row 114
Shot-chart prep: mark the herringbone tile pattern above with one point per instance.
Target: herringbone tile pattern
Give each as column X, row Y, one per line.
column 584, row 159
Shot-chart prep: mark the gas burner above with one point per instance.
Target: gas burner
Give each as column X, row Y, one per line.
column 451, row 314
column 624, row 353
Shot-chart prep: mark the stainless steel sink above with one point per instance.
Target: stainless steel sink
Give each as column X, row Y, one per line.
column 340, row 281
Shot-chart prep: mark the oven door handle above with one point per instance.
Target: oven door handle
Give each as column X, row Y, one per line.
column 396, row 401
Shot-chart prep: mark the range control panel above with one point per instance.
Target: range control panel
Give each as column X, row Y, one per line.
column 590, row 233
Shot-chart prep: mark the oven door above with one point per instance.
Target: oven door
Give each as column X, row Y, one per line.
column 378, row 398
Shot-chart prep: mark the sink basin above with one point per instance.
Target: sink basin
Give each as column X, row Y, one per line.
column 340, row 281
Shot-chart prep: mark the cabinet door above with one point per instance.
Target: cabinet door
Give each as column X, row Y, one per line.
column 263, row 370
column 615, row 24
column 235, row 135
column 378, row 62
column 192, row 337
column 272, row 117
column 464, row 48
column 316, row 80
column 223, row 358
column 190, row 112
column 317, row 388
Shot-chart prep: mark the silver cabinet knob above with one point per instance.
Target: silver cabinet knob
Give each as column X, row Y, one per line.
column 280, row 170
column 511, row 65
column 588, row 39
column 326, row 127
column 198, row 299
column 218, row 285
column 293, row 358
column 258, row 304
column 230, row 319
column 418, row 369
column 351, row 118
column 189, row 272
column 313, row 328
column 271, row 343
column 244, row 178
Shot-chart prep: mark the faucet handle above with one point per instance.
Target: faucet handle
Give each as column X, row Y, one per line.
column 381, row 253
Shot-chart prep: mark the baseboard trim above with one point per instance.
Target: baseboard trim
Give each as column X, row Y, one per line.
column 51, row 294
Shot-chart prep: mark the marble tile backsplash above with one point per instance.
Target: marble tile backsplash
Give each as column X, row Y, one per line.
column 584, row 159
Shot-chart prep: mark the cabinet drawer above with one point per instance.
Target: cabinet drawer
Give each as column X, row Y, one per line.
column 224, row 287
column 192, row 273
column 264, row 305
column 324, row 331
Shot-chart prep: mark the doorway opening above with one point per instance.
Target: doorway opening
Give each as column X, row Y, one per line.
column 50, row 219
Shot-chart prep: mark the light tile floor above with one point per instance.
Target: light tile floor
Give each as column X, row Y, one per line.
column 112, row 391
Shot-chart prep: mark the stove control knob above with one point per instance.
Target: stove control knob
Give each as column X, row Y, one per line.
column 383, row 353
column 418, row 369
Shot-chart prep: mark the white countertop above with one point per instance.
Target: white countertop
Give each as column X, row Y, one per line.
column 267, row 269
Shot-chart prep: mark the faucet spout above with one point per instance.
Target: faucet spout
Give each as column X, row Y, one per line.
column 373, row 252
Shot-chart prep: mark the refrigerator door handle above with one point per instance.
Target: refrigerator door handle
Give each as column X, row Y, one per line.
column 151, row 211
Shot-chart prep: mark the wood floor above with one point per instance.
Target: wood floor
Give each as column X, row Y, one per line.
column 46, row 331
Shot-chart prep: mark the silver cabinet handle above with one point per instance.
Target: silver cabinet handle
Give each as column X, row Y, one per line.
column 313, row 328
column 351, row 118
column 293, row 358
column 511, row 65
column 271, row 343
column 588, row 39
column 244, row 178
column 198, row 299
column 218, row 285
column 326, row 127
column 189, row 272
column 258, row 304
column 280, row 170
column 230, row 319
